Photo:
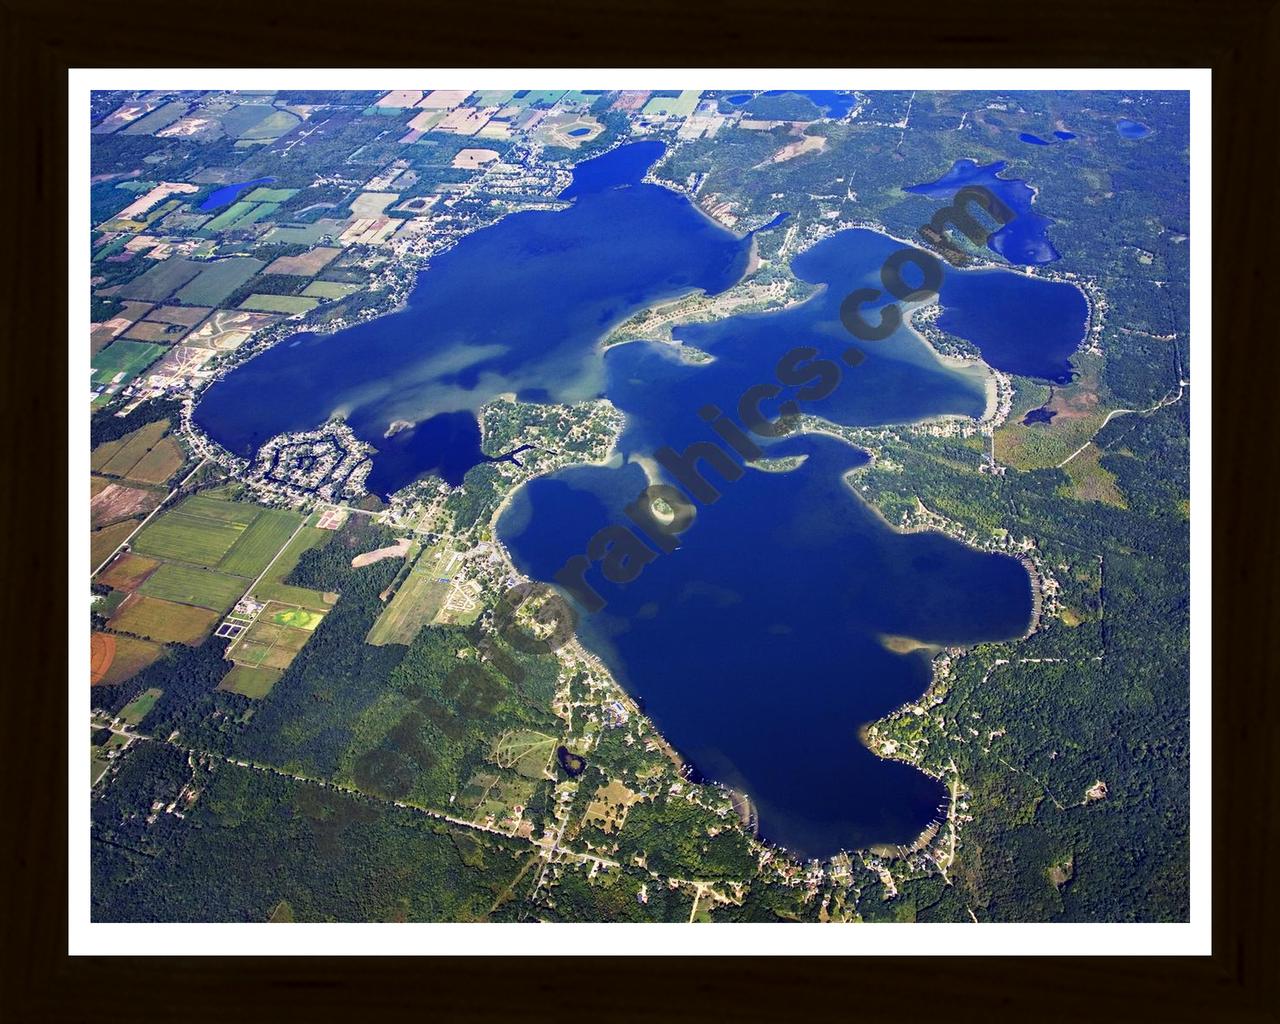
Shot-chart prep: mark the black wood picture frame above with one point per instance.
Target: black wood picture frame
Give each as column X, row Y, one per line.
column 1238, row 39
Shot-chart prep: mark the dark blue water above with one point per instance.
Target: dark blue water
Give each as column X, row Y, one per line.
column 756, row 646
column 1132, row 129
column 446, row 445
column 1023, row 325
column 1025, row 239
column 625, row 165
column 834, row 103
column 229, row 193
column 739, row 98
column 1035, row 140
column 517, row 307
column 775, row 222
column 1039, row 416
column 579, row 131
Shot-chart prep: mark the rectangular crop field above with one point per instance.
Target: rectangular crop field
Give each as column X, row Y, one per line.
column 127, row 571
column 417, row 602
column 219, row 509
column 228, row 216
column 163, row 621
column 294, row 618
column 136, row 710
column 329, row 290
column 305, row 264
column 149, row 330
column 186, row 316
column 189, row 585
column 161, row 281
column 276, row 636
column 218, row 279
column 261, row 211
column 680, row 106
column 249, row 680
column 159, row 464
column 279, row 303
column 182, row 538
column 200, row 531
column 260, row 542
column 271, row 195
column 271, row 634
column 305, row 234
column 125, row 359
column 118, row 457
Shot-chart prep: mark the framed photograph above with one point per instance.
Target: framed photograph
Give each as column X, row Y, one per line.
column 623, row 499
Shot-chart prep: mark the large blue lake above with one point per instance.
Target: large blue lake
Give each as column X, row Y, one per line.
column 758, row 646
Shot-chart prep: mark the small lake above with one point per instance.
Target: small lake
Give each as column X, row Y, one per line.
column 833, row 103
column 1132, row 129
column 1025, row 239
column 1035, row 140
column 228, row 194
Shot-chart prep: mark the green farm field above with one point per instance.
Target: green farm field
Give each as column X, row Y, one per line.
column 250, row 681
column 188, row 585
column 228, row 216
column 329, row 290
column 279, row 303
column 260, row 542
column 220, row 510
column 136, row 710
column 127, row 357
column 179, row 537
column 218, row 279
column 162, row 280
column 271, row 195
column 415, row 604
column 117, row 458
column 275, row 637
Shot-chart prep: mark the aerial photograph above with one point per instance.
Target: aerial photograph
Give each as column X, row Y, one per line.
column 655, row 505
